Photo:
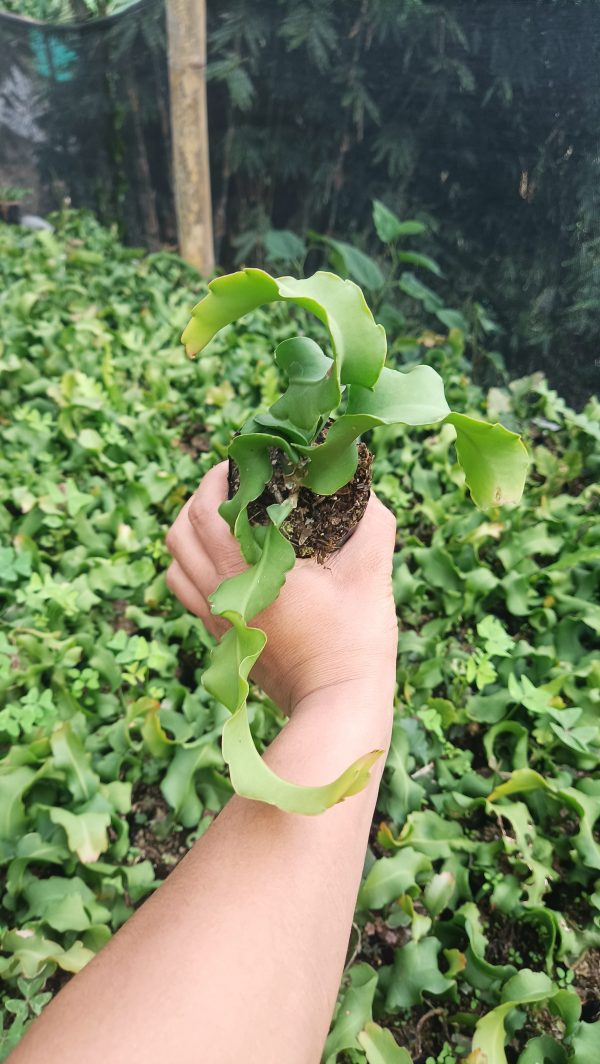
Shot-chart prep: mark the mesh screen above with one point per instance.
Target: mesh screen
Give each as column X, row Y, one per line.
column 480, row 117
column 84, row 114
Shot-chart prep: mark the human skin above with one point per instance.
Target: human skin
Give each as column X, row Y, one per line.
column 239, row 955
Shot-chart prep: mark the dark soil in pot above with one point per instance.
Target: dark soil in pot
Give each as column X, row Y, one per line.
column 319, row 524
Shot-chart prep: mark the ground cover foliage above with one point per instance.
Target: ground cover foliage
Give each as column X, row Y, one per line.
column 478, row 918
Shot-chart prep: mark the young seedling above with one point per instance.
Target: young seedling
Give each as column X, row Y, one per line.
column 293, row 449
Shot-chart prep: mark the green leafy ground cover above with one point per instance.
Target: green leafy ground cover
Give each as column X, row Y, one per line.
column 478, row 920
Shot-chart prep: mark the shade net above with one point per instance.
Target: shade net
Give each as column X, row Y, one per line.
column 84, row 115
column 480, row 118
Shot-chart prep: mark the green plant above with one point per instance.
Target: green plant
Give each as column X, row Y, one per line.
column 65, row 10
column 10, row 194
column 494, row 461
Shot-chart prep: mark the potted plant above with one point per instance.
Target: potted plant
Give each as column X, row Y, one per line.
column 295, row 467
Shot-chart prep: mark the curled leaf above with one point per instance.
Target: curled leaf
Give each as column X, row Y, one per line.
column 358, row 344
column 238, row 599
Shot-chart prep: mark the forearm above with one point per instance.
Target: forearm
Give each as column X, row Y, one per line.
column 241, row 951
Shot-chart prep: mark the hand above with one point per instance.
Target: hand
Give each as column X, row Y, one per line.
column 331, row 624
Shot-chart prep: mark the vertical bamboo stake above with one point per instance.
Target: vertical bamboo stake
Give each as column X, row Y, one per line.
column 186, row 30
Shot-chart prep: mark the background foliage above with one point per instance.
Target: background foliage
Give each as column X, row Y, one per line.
column 477, row 117
column 482, row 881
column 65, row 10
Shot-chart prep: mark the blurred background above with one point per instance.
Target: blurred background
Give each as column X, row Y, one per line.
column 477, row 119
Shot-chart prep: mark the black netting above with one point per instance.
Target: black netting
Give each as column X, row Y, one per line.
column 84, row 114
column 478, row 116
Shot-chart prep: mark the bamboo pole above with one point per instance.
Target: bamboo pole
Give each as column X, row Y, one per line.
column 186, row 31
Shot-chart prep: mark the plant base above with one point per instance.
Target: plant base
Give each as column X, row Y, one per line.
column 319, row 524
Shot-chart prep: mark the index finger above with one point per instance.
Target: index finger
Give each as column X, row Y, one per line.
column 207, row 523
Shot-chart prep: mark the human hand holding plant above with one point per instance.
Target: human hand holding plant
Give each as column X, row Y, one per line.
column 331, row 625
column 296, row 463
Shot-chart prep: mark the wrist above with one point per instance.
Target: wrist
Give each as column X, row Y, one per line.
column 360, row 705
column 344, row 680
column 333, row 726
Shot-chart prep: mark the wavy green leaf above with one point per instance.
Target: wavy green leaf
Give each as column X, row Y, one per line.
column 70, row 755
column 358, row 344
column 416, row 972
column 543, row 1050
column 228, row 298
column 178, row 785
column 585, row 1044
column 381, row 1047
column 353, row 1013
column 13, row 785
column 527, row 987
column 251, row 591
column 250, row 452
column 239, row 599
column 495, row 461
column 414, row 398
column 438, row 892
column 87, row 833
column 31, row 952
column 313, row 390
column 392, row 876
column 32, row 848
column 252, row 778
column 231, row 661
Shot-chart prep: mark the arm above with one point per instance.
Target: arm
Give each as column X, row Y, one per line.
column 239, row 955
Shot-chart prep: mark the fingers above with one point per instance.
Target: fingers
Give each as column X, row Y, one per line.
column 187, row 593
column 203, row 549
column 212, row 530
column 383, row 519
column 176, row 539
column 188, row 550
column 190, row 597
column 202, row 544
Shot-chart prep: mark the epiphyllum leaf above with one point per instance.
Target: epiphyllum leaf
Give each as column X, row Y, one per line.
column 355, row 1011
column 313, row 390
column 86, row 832
column 527, row 987
column 495, row 461
column 414, row 398
column 415, row 972
column 358, row 344
column 381, row 1047
column 255, row 588
column 231, row 661
column 252, row 777
column 250, row 453
column 237, row 600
